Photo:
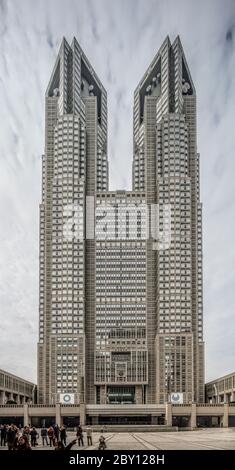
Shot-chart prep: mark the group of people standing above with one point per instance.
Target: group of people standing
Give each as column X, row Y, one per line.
column 54, row 436
column 26, row 438
column 17, row 440
column 102, row 441
column 80, row 438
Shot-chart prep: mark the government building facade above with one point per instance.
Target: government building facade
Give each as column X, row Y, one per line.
column 120, row 299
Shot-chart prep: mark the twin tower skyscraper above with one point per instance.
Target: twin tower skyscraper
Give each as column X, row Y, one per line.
column 120, row 307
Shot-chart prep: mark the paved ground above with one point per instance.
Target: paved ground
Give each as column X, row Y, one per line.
column 204, row 439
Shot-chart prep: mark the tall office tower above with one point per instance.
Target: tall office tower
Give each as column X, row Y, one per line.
column 120, row 313
column 74, row 166
column 166, row 167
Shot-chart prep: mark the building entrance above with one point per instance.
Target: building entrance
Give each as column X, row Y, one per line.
column 120, row 394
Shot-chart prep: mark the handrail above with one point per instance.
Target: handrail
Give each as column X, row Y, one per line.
column 72, row 405
column 35, row 405
column 12, row 406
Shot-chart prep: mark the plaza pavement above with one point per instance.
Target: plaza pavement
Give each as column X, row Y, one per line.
column 203, row 439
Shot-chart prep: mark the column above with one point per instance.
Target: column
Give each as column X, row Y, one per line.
column 154, row 419
column 138, row 395
column 2, row 397
column 82, row 414
column 57, row 414
column 103, row 395
column 26, row 414
column 168, row 414
column 193, row 420
column 225, row 417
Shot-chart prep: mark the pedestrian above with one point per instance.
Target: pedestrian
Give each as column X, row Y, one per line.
column 80, row 436
column 89, row 435
column 26, row 431
column 11, row 437
column 23, row 444
column 56, row 431
column 44, row 435
column 34, row 434
column 51, row 436
column 3, row 435
column 63, row 434
column 102, row 443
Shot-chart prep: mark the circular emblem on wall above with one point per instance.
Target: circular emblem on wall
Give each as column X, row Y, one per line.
column 67, row 398
column 175, row 397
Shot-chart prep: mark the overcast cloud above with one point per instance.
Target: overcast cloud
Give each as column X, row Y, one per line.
column 120, row 39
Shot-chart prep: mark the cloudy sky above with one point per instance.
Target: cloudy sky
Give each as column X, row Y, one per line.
column 120, row 38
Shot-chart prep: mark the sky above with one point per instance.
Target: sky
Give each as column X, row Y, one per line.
column 120, row 38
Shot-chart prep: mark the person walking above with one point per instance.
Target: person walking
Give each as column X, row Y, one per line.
column 26, row 431
column 34, row 434
column 44, row 436
column 51, row 436
column 3, row 435
column 89, row 435
column 56, row 432
column 11, row 437
column 80, row 436
column 63, row 434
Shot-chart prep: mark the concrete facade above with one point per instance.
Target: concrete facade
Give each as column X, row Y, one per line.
column 163, row 416
column 75, row 150
column 221, row 390
column 16, row 389
column 120, row 316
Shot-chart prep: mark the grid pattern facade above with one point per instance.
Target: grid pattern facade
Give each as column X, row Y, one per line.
column 74, row 165
column 221, row 390
column 121, row 345
column 119, row 320
column 166, row 168
column 15, row 388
